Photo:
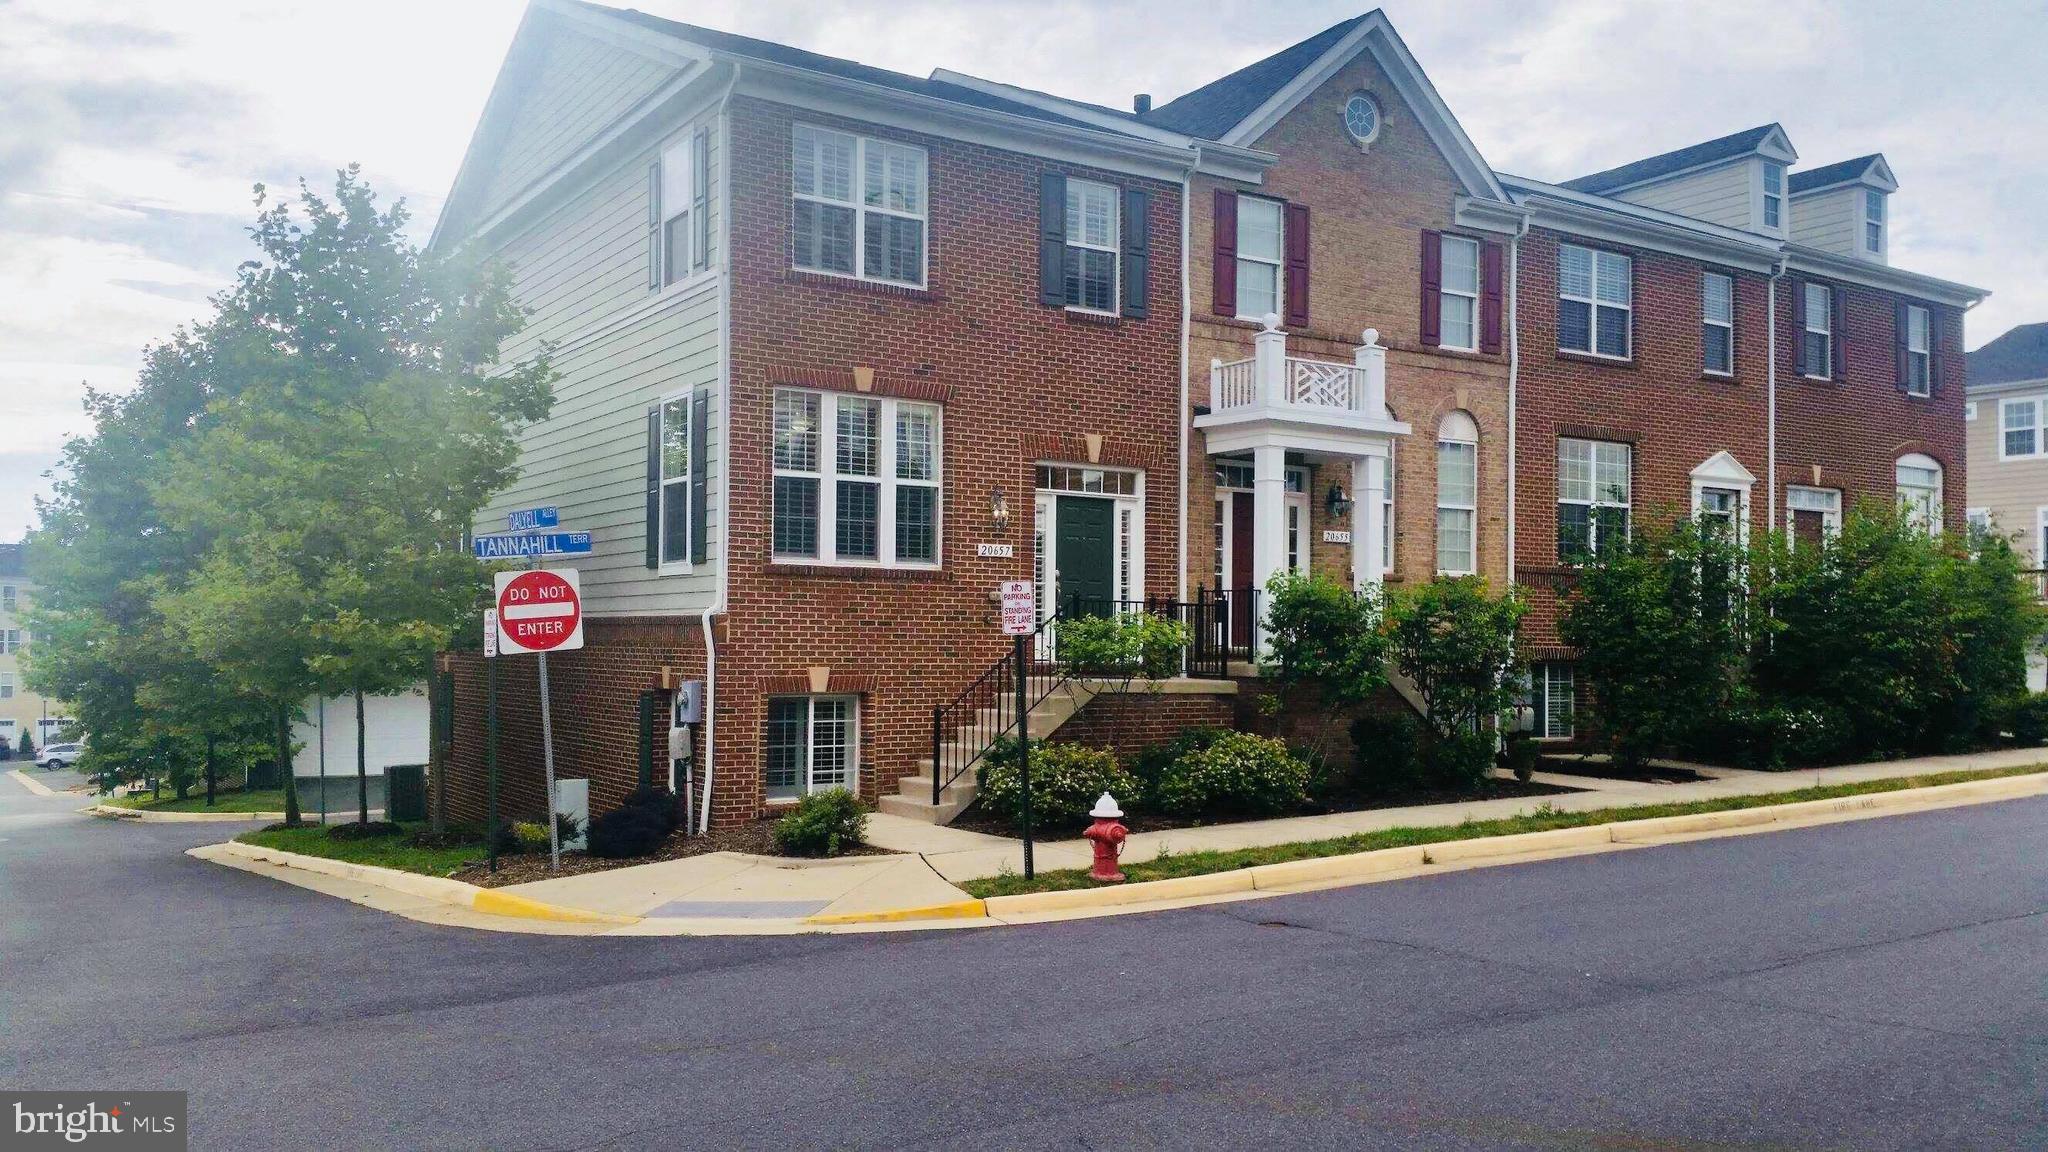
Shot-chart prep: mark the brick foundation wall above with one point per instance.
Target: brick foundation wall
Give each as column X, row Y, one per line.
column 1129, row 723
column 1302, row 720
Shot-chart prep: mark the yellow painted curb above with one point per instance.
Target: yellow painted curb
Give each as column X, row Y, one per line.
column 498, row 903
column 958, row 910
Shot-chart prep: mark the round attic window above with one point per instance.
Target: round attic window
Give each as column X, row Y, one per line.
column 1362, row 118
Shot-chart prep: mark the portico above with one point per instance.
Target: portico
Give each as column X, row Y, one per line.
column 1275, row 406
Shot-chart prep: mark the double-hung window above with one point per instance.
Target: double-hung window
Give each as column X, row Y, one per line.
column 1093, row 246
column 1873, row 221
column 10, row 641
column 678, row 212
column 2019, row 423
column 1593, row 302
column 9, row 598
column 6, row 685
column 1774, row 195
column 1261, row 248
column 859, row 207
column 856, row 479
column 1818, row 349
column 813, row 744
column 1919, row 484
column 1919, row 352
column 1551, row 701
column 1592, row 497
column 1458, row 299
column 675, row 480
column 1457, row 495
column 1717, row 323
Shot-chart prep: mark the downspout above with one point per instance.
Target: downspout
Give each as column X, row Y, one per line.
column 1514, row 374
column 717, row 605
column 1771, row 396
column 1183, row 416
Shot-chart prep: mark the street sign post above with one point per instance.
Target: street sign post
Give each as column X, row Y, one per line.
column 1020, row 622
column 541, row 611
column 529, row 545
column 527, row 519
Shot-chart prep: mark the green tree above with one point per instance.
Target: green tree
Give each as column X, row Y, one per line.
column 1456, row 642
column 1324, row 638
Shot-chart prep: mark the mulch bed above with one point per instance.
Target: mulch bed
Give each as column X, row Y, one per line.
column 1607, row 770
column 976, row 820
column 756, row 839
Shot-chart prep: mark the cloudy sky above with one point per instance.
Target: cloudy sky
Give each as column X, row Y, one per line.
column 130, row 133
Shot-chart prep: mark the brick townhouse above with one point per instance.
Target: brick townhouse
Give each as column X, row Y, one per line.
column 841, row 349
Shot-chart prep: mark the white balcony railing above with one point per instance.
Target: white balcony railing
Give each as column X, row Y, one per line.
column 1273, row 379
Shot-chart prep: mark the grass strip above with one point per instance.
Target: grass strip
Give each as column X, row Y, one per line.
column 1543, row 820
column 383, row 851
column 263, row 800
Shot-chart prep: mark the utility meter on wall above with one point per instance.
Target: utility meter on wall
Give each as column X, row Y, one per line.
column 690, row 703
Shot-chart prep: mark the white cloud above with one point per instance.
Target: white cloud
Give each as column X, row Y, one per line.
column 133, row 133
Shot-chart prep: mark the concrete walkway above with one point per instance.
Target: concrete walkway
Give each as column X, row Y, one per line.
column 735, row 886
column 960, row 855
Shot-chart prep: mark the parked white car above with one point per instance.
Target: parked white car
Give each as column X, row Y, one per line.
column 57, row 756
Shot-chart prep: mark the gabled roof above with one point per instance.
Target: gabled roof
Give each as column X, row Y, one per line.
column 1870, row 169
column 1212, row 110
column 1763, row 137
column 2021, row 354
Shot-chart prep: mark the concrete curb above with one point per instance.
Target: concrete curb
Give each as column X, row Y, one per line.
column 453, row 892
column 958, row 910
column 32, row 784
column 116, row 812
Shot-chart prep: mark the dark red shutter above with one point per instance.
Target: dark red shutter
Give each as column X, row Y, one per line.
column 1432, row 288
column 1905, row 329
column 1223, row 255
column 1838, row 327
column 1798, row 292
column 1297, row 265
column 1491, row 279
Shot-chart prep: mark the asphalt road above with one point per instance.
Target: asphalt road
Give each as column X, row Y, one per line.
column 1878, row 984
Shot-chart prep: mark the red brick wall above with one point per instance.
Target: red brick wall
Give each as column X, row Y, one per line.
column 1129, row 723
column 1660, row 401
column 1304, row 720
column 1021, row 383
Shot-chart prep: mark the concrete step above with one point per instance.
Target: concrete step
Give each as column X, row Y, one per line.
column 910, row 808
column 920, row 787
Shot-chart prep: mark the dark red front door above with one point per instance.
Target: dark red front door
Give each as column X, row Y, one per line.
column 1240, row 574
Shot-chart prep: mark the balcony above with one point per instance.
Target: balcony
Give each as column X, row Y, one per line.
column 1307, row 404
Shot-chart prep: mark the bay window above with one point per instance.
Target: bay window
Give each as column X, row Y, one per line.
column 857, row 479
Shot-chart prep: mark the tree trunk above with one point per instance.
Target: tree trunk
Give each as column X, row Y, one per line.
column 363, row 766
column 292, row 815
column 209, row 770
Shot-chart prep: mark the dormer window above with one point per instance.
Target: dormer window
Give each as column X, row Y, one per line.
column 1873, row 221
column 1774, row 195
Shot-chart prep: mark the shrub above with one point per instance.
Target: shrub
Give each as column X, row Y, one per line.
column 1066, row 779
column 1519, row 755
column 1460, row 761
column 1456, row 642
column 1239, row 774
column 822, row 824
column 362, row 830
column 1123, row 645
column 658, row 799
column 627, row 832
column 1389, row 748
column 1151, row 764
column 1320, row 631
column 567, row 827
column 526, row 837
column 2026, row 718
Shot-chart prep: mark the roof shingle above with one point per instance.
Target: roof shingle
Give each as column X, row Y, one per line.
column 2021, row 354
column 1828, row 174
column 1692, row 156
column 1212, row 110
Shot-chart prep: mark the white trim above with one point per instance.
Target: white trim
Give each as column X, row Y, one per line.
column 1774, row 146
column 1930, row 515
column 1444, row 291
column 886, row 482
column 1467, row 438
column 1864, row 219
column 1077, row 189
column 1876, row 174
column 1870, row 274
column 2037, row 428
column 808, row 785
column 1278, row 263
column 666, row 566
column 1723, row 472
column 1707, row 321
column 858, row 203
column 1620, row 222
column 1826, row 501
column 1126, row 571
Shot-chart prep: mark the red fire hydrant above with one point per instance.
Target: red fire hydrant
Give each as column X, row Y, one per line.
column 1108, row 836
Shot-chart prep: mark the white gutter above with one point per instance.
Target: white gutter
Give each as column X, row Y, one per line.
column 1771, row 398
column 1185, row 414
column 717, row 605
column 1514, row 376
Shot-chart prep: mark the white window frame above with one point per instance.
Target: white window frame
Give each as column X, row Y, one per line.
column 673, row 488
column 1446, row 293
column 1969, row 411
column 2033, row 427
column 1594, row 303
column 809, row 784
column 1919, row 359
column 1594, row 503
column 1542, row 685
column 1804, row 498
column 1774, row 197
column 1708, row 321
column 1128, row 494
column 1825, row 329
column 885, row 478
column 1872, row 216
column 1929, row 517
column 1278, row 263
column 676, row 160
column 862, row 209
column 1722, row 472
column 11, row 641
column 2040, row 535
column 6, row 685
column 1077, row 193
column 1461, row 439
column 10, row 598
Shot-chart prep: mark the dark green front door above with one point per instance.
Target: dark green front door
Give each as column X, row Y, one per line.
column 1085, row 553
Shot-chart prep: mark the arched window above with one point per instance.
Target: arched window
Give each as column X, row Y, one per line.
column 1457, row 494
column 1919, row 479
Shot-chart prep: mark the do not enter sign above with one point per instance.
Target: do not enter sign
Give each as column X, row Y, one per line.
column 539, row 611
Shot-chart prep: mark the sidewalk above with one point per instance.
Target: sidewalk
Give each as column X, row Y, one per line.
column 729, row 893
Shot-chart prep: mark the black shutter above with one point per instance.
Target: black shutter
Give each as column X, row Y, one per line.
column 654, row 225
column 1799, row 365
column 1838, row 327
column 1052, row 239
column 1937, row 332
column 700, row 196
column 1137, row 235
column 1904, row 343
column 700, row 473
column 654, row 486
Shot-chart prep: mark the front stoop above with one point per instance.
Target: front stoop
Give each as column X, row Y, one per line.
column 913, row 796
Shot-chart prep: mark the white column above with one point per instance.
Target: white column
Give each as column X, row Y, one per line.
column 1371, row 359
column 1269, row 518
column 1269, row 364
column 1368, row 519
